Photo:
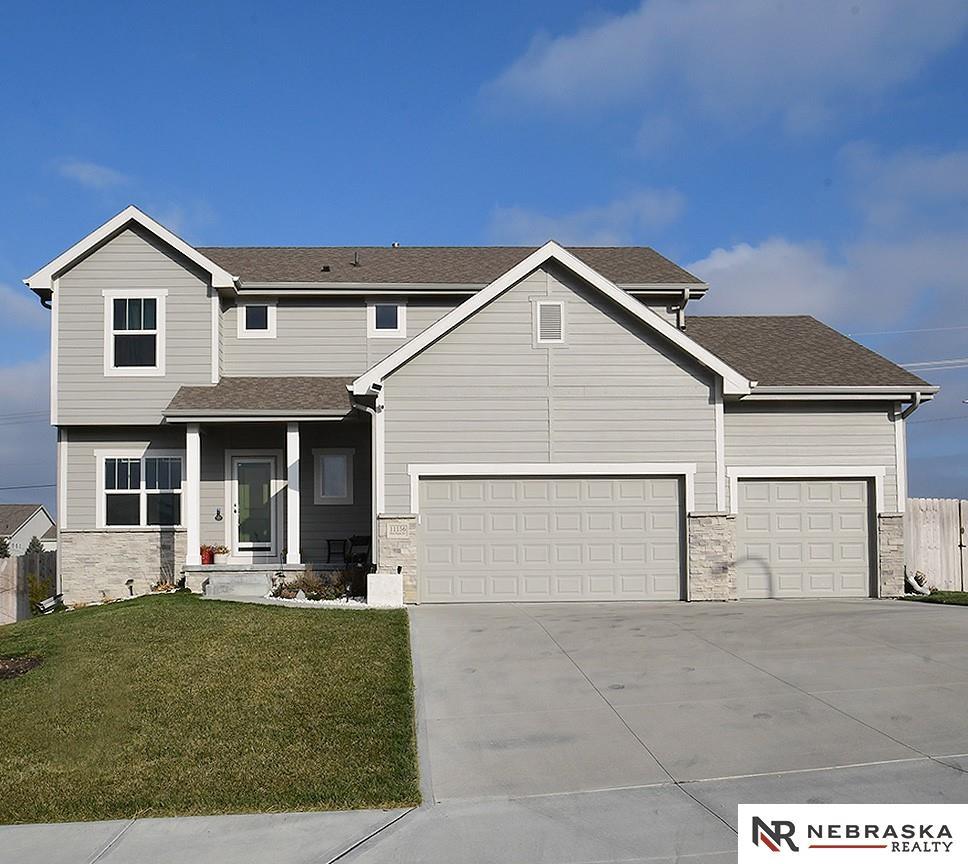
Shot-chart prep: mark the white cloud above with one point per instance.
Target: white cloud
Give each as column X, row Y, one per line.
column 742, row 61
column 21, row 310
column 90, row 174
column 621, row 221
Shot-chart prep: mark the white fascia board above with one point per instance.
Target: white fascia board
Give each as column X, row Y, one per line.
column 734, row 384
column 43, row 279
column 253, row 417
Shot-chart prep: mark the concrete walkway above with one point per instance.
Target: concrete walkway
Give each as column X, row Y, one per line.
column 559, row 734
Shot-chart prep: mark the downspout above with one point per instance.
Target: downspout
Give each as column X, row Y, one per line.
column 915, row 404
column 681, row 310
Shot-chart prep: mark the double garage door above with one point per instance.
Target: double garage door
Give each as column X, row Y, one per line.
column 803, row 538
column 485, row 539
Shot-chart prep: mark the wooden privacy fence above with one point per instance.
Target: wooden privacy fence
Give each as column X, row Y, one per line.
column 934, row 541
column 16, row 575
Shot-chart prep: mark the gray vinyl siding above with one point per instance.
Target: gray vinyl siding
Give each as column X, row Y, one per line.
column 813, row 433
column 612, row 393
column 131, row 260
column 82, row 442
column 319, row 337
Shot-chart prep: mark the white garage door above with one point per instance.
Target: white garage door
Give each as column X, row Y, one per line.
column 803, row 538
column 549, row 538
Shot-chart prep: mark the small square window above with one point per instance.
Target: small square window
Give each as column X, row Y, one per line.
column 256, row 317
column 257, row 320
column 386, row 319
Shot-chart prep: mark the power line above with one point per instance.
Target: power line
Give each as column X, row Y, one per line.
column 898, row 332
column 35, row 486
column 941, row 419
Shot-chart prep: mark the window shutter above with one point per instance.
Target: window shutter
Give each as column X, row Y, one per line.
column 550, row 324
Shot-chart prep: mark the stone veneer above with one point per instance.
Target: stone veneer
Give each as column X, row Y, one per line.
column 890, row 554
column 96, row 565
column 397, row 547
column 711, row 556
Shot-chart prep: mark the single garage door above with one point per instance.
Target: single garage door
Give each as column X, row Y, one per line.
column 803, row 538
column 487, row 539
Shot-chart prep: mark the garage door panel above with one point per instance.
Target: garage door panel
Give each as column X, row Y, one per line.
column 817, row 544
column 584, row 538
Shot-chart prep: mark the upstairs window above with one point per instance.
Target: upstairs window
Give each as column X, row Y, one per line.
column 257, row 321
column 386, row 319
column 549, row 324
column 141, row 491
column 134, row 329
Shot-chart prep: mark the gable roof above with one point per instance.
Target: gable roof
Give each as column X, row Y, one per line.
column 734, row 383
column 429, row 265
column 41, row 281
column 288, row 396
column 14, row 516
column 797, row 351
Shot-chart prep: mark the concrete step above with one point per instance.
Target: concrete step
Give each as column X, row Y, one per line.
column 239, row 584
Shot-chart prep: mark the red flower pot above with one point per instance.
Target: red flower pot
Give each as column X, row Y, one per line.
column 208, row 555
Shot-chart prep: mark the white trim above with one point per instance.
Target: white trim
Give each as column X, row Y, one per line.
column 140, row 453
column 806, row 472
column 54, row 328
column 243, row 333
column 231, row 517
column 62, row 451
column 112, row 294
column 271, row 417
column 216, row 313
column 720, row 445
column 44, row 278
column 293, row 510
column 900, row 456
column 318, row 453
column 400, row 332
column 536, row 304
column 552, row 469
column 735, row 384
column 193, row 505
column 378, row 481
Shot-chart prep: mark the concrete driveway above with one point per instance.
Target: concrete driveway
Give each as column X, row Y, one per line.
column 630, row 732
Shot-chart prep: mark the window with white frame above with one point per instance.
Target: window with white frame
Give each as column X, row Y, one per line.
column 141, row 491
column 134, row 332
column 257, row 320
column 333, row 476
column 386, row 318
column 549, row 325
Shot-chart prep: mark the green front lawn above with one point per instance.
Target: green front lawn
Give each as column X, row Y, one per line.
column 950, row 598
column 174, row 705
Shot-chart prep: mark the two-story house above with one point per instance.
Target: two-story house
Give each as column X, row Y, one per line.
column 506, row 423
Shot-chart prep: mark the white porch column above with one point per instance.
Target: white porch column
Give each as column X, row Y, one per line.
column 292, row 494
column 193, row 480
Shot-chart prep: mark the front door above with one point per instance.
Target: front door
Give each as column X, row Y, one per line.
column 253, row 508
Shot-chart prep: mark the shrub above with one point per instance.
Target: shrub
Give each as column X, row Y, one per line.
column 35, row 547
column 319, row 585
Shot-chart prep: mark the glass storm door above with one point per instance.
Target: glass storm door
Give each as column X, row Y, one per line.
column 254, row 511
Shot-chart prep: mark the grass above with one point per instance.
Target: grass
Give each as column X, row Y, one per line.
column 949, row 598
column 172, row 705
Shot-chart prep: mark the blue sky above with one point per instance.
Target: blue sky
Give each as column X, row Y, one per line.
column 800, row 157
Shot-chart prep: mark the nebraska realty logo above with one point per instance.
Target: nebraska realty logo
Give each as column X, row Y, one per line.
column 852, row 832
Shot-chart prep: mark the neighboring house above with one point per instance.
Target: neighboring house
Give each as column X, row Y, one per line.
column 21, row 522
column 509, row 423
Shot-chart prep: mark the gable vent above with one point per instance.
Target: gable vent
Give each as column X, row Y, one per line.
column 550, row 322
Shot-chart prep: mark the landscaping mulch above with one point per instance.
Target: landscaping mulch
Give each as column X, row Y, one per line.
column 14, row 667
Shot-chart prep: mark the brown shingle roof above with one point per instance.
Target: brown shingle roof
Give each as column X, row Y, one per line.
column 12, row 516
column 795, row 351
column 462, row 265
column 290, row 395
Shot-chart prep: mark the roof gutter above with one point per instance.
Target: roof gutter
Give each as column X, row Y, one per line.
column 915, row 404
